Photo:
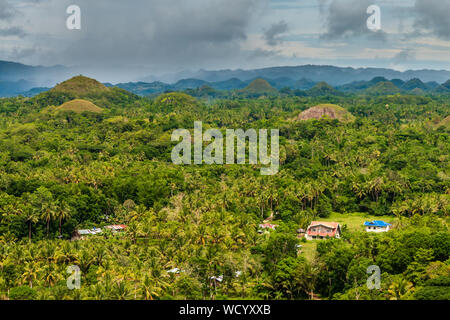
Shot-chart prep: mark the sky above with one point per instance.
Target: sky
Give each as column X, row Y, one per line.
column 127, row 40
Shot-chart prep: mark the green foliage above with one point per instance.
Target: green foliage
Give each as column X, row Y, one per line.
column 65, row 171
column 435, row 289
column 22, row 293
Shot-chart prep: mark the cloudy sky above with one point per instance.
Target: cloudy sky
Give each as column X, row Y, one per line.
column 141, row 37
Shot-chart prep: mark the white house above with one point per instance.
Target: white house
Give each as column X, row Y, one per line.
column 377, row 226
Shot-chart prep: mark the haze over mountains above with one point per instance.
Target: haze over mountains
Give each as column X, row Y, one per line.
column 331, row 74
column 16, row 78
column 306, row 87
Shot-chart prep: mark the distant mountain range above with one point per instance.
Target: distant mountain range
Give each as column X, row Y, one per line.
column 335, row 76
column 144, row 88
column 377, row 85
column 13, row 88
column 259, row 86
column 16, row 78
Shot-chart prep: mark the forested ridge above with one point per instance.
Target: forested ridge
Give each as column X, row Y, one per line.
column 65, row 170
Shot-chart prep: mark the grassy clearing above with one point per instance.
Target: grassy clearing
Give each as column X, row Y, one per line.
column 354, row 222
column 308, row 250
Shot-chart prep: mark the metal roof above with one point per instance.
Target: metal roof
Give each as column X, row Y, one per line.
column 91, row 231
column 116, row 227
column 268, row 226
column 377, row 223
column 332, row 225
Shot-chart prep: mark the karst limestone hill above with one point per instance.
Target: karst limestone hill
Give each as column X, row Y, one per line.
column 259, row 86
column 330, row 111
column 80, row 85
column 79, row 106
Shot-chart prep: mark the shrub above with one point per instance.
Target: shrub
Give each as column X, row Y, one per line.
column 22, row 293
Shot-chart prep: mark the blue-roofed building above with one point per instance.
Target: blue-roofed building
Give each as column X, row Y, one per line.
column 377, row 226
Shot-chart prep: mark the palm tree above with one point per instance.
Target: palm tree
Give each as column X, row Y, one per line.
column 99, row 255
column 29, row 274
column 47, row 213
column 50, row 275
column 359, row 190
column 376, row 187
column 97, row 292
column 30, row 217
column 149, row 289
column 307, row 277
column 139, row 211
column 62, row 213
column 121, row 291
column 399, row 289
column 84, row 260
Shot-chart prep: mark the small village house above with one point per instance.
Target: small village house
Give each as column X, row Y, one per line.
column 218, row 279
column 301, row 233
column 117, row 227
column 321, row 230
column 82, row 234
column 266, row 226
column 175, row 271
column 377, row 226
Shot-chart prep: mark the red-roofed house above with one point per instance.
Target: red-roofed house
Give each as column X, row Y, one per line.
column 322, row 230
column 268, row 226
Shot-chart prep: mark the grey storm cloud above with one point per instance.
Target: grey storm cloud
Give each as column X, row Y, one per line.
column 433, row 16
column 173, row 33
column 18, row 53
column 143, row 38
column 272, row 34
column 13, row 31
column 404, row 56
column 346, row 19
column 6, row 10
column 323, row 6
